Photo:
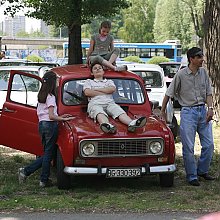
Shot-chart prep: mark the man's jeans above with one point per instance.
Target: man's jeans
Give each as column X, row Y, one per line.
column 48, row 131
column 193, row 119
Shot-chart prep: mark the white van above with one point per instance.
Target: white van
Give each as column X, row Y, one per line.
column 155, row 84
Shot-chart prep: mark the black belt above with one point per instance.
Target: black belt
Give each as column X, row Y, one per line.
column 194, row 106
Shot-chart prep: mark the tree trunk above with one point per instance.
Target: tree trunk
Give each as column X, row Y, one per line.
column 212, row 48
column 75, row 47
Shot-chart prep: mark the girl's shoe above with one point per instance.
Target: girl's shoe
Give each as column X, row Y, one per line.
column 21, row 176
column 137, row 123
column 108, row 128
column 121, row 68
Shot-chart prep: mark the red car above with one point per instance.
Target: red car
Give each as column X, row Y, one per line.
column 82, row 147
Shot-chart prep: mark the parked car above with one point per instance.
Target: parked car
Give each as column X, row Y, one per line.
column 48, row 64
column 12, row 62
column 170, row 69
column 155, row 84
column 82, row 147
column 4, row 77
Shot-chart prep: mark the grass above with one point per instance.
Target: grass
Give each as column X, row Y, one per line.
column 98, row 194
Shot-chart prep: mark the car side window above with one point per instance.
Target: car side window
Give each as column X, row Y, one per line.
column 24, row 90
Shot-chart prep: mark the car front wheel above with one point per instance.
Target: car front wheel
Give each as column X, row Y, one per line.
column 63, row 180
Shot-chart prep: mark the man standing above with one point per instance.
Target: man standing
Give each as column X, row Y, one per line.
column 192, row 87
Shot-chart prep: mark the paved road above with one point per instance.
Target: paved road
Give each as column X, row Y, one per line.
column 95, row 216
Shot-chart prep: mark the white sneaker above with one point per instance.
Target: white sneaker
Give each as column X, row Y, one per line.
column 121, row 68
column 21, row 176
column 108, row 128
column 137, row 123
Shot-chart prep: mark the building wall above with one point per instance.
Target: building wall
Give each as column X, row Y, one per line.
column 14, row 25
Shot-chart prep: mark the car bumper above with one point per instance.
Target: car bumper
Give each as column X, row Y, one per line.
column 101, row 171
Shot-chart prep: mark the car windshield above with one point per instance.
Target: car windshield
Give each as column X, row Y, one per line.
column 127, row 91
column 170, row 69
column 151, row 78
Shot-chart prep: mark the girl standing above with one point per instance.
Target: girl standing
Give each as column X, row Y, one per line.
column 48, row 129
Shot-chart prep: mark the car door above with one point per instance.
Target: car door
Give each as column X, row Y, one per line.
column 18, row 117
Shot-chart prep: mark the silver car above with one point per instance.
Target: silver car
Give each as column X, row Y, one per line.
column 17, row 86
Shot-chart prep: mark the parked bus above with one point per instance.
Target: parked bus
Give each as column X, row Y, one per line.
column 170, row 48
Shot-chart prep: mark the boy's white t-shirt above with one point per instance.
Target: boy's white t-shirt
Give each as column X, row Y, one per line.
column 42, row 108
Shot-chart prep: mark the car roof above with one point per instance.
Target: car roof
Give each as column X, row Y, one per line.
column 140, row 66
column 40, row 69
column 78, row 71
column 20, row 68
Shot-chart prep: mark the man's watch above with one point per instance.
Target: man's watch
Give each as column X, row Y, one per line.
column 210, row 107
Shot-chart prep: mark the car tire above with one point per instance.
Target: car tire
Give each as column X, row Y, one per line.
column 63, row 180
column 166, row 180
column 175, row 127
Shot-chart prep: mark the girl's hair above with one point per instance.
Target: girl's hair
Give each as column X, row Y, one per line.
column 48, row 86
column 106, row 24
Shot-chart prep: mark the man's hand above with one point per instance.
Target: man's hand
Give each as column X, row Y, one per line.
column 209, row 115
column 163, row 116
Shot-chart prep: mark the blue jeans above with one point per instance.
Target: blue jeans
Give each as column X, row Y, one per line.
column 193, row 119
column 48, row 131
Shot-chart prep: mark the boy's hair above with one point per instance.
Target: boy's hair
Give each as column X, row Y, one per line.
column 106, row 24
column 93, row 64
column 48, row 86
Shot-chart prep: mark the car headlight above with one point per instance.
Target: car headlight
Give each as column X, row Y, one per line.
column 88, row 149
column 156, row 147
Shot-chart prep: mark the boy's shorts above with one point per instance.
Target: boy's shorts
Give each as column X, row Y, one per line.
column 111, row 109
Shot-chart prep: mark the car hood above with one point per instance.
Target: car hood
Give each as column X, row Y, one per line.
column 87, row 128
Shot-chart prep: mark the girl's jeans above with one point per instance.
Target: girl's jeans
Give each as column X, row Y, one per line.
column 48, row 131
column 193, row 119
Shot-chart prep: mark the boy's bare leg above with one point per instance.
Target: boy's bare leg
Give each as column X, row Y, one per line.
column 125, row 119
column 102, row 118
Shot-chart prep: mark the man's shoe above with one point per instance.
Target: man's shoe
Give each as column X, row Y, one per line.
column 194, row 182
column 206, row 176
column 46, row 184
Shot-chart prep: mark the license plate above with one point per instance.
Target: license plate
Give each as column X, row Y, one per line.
column 123, row 172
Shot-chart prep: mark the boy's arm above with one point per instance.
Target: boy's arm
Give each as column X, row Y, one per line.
column 92, row 93
column 106, row 90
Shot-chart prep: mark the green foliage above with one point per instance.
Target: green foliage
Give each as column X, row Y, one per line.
column 138, row 21
column 157, row 60
column 133, row 59
column 35, row 58
column 173, row 20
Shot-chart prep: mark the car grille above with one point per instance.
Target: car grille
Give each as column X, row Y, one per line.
column 121, row 147
column 134, row 147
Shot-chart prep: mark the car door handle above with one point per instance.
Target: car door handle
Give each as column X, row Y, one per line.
column 8, row 110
